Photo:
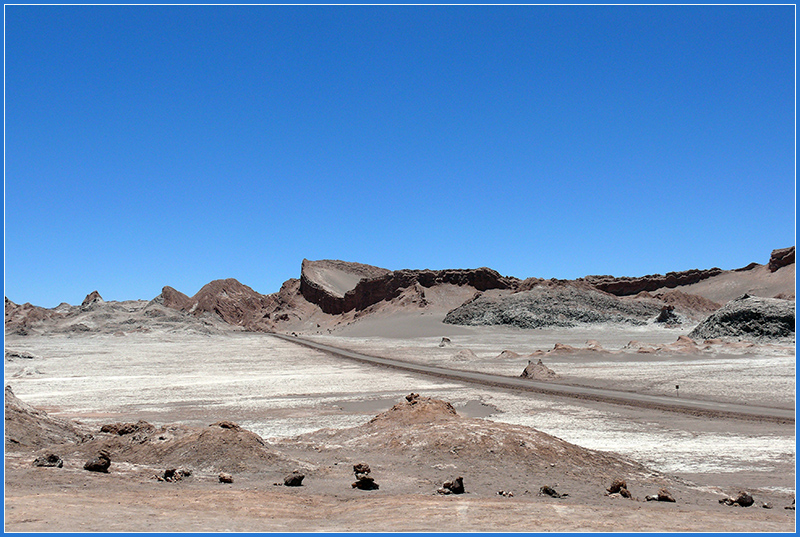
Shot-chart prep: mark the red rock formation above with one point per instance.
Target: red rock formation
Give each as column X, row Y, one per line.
column 234, row 302
column 780, row 258
column 624, row 286
column 379, row 284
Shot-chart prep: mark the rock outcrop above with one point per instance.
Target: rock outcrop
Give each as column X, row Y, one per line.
column 623, row 286
column 338, row 287
column 781, row 258
column 91, row 299
column 749, row 317
column 234, row 302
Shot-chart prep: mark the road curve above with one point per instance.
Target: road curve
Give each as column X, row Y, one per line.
column 659, row 402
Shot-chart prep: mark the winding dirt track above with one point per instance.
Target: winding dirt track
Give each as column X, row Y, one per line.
column 675, row 404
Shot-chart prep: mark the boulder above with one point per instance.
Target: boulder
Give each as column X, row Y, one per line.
column 363, row 480
column 619, row 486
column 100, row 463
column 295, row 479
column 225, row 478
column 456, row 486
column 742, row 499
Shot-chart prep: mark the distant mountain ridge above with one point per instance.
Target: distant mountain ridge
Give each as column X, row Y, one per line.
column 331, row 292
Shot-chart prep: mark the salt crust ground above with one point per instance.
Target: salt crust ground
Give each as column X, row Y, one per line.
column 280, row 390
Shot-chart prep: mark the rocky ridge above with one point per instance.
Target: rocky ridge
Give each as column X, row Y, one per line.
column 386, row 285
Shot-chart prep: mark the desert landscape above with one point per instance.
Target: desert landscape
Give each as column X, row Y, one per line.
column 362, row 399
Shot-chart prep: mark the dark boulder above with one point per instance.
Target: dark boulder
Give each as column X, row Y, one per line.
column 295, row 479
column 100, row 463
column 456, row 486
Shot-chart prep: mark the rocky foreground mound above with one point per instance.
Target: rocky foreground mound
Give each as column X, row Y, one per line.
column 29, row 428
column 430, row 432
column 750, row 317
column 547, row 305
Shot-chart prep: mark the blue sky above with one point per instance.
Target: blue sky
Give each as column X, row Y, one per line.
column 152, row 146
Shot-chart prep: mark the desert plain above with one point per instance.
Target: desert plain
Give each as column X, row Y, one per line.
column 225, row 383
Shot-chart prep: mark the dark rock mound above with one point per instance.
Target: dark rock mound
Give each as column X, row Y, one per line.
column 780, row 258
column 28, row 427
column 749, row 317
column 552, row 304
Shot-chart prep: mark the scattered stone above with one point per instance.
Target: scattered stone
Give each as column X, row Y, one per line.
column 171, row 475
column 506, row 494
column 412, row 397
column 618, row 486
column 547, row 490
column 445, row 342
column 456, row 486
column 662, row 496
column 363, row 480
column 743, row 499
column 295, row 479
column 50, row 460
column 225, row 478
column 100, row 463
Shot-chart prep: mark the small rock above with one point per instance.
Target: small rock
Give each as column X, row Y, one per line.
column 743, row 499
column 790, row 507
column 766, row 505
column 171, row 475
column 506, row 494
column 295, row 479
column 50, row 460
column 662, row 496
column 226, row 425
column 101, row 463
column 618, row 486
column 456, row 486
column 225, row 478
column 445, row 342
column 547, row 490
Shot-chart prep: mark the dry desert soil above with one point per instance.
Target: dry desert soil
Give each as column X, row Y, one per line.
column 161, row 385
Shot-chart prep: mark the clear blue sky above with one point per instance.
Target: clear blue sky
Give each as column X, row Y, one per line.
column 152, row 146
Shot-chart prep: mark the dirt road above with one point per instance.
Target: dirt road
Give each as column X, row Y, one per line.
column 583, row 392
